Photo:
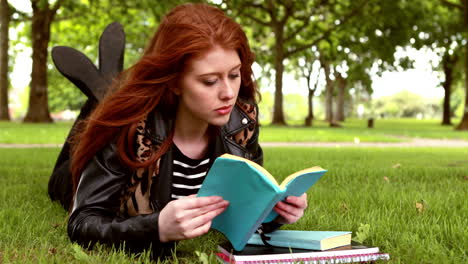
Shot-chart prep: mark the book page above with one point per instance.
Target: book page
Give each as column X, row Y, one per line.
column 255, row 165
column 291, row 177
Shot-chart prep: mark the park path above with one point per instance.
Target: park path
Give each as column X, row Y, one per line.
column 413, row 142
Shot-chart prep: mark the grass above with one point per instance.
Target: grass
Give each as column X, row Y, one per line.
column 29, row 133
column 389, row 130
column 380, row 187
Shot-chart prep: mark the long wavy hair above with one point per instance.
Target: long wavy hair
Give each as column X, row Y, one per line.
column 186, row 31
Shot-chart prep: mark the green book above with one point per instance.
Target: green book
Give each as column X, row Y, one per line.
column 252, row 193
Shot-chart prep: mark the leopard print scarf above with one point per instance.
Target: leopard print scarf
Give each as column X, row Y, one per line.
column 135, row 197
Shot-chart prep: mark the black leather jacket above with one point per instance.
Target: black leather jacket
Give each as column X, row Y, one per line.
column 94, row 217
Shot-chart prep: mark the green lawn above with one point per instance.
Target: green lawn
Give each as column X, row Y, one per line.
column 390, row 130
column 28, row 133
column 374, row 186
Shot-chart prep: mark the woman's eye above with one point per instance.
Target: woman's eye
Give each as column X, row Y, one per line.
column 209, row 82
column 234, row 75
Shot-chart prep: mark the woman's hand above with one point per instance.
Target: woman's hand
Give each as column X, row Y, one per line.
column 189, row 217
column 291, row 210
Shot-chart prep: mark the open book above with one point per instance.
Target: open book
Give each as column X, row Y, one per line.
column 252, row 193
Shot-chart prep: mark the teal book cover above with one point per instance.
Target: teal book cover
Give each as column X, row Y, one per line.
column 314, row 240
column 252, row 193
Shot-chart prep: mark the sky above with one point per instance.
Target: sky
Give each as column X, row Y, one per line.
column 421, row 80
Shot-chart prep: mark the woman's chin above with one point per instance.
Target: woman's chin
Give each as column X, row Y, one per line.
column 220, row 121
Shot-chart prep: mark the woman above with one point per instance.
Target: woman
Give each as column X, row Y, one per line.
column 145, row 150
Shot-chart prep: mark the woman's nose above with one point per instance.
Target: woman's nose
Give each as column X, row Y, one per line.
column 227, row 91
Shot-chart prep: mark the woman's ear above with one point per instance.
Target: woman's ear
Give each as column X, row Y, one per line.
column 175, row 87
column 176, row 90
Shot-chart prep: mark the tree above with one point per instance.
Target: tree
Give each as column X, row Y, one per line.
column 449, row 61
column 460, row 9
column 296, row 26
column 349, row 53
column 5, row 17
column 441, row 31
column 307, row 68
column 139, row 19
column 354, row 53
column 42, row 18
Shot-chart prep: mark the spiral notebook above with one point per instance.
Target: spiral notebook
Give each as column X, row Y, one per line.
column 251, row 254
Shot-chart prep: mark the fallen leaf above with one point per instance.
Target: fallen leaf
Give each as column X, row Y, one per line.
column 52, row 251
column 202, row 257
column 55, row 225
column 386, row 179
column 344, row 207
column 79, row 253
column 396, row 166
column 363, row 233
column 466, row 177
column 420, row 207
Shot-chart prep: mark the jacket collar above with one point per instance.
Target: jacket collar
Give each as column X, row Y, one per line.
column 159, row 126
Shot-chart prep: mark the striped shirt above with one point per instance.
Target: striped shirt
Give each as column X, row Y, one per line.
column 188, row 174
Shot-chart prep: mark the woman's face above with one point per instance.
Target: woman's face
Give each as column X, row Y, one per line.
column 209, row 87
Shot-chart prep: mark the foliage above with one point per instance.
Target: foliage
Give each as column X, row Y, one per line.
column 406, row 104
column 82, row 32
column 354, row 191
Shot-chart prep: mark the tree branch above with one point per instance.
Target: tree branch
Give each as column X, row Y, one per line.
column 305, row 23
column 257, row 20
column 452, row 4
column 57, row 5
column 289, row 11
column 75, row 15
column 257, row 6
column 249, row 5
column 327, row 33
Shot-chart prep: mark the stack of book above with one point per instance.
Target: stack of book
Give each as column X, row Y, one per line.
column 312, row 247
column 253, row 254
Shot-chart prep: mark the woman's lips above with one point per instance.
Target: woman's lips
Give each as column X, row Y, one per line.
column 224, row 110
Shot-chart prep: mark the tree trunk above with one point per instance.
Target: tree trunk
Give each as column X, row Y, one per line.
column 340, row 113
column 464, row 122
column 310, row 98
column 310, row 104
column 310, row 111
column 447, row 64
column 4, row 39
column 38, row 108
column 328, row 92
column 278, row 113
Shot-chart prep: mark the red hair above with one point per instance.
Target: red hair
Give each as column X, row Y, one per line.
column 186, row 31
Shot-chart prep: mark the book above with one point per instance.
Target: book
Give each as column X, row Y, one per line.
column 316, row 240
column 354, row 253
column 252, row 193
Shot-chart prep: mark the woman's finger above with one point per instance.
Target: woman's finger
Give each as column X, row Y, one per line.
column 290, row 209
column 197, row 202
column 192, row 213
column 285, row 217
column 200, row 224
column 299, row 202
